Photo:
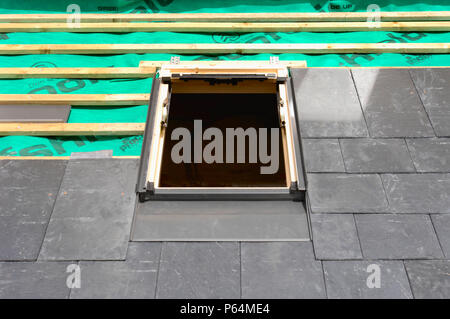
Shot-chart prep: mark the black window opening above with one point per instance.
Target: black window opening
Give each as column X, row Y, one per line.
column 222, row 111
column 250, row 104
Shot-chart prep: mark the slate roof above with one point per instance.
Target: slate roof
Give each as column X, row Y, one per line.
column 377, row 154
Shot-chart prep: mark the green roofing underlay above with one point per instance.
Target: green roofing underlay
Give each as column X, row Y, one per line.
column 131, row 145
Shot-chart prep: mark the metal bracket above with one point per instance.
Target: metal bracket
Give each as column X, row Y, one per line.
column 166, row 109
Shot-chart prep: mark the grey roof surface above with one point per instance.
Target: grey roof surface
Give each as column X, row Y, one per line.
column 220, row 221
column 376, row 149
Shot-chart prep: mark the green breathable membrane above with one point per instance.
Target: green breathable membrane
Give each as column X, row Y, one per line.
column 180, row 6
column 54, row 146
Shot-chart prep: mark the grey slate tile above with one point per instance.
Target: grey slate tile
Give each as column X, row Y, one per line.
column 21, row 237
column 346, row 193
column 327, row 103
column 442, row 226
column 93, row 213
column 376, row 156
column 418, row 193
column 391, row 104
column 322, row 155
column 45, row 174
column 199, row 270
column 430, row 154
column 388, row 236
column 130, row 279
column 28, row 113
column 28, row 191
column 335, row 236
column 432, row 85
column 30, row 202
column 99, row 173
column 281, row 270
column 349, row 280
column 33, row 280
column 220, row 221
column 430, row 279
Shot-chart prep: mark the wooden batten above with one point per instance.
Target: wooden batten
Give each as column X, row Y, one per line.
column 76, row 99
column 77, row 73
column 229, row 17
column 213, row 48
column 71, row 129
